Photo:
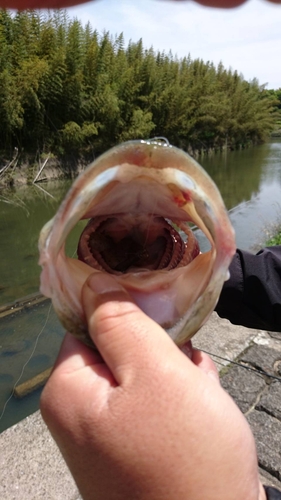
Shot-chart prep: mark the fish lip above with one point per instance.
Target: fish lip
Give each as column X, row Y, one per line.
column 213, row 220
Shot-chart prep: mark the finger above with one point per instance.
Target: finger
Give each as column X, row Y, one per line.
column 78, row 362
column 127, row 339
column 59, row 4
column 187, row 349
column 205, row 363
column 74, row 355
column 225, row 4
column 76, row 367
column 38, row 4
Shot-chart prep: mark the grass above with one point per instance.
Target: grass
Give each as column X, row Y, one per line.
column 270, row 235
column 275, row 240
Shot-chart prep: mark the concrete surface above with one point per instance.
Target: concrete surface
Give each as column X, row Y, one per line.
column 31, row 467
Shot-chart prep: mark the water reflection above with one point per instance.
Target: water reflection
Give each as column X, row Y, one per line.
column 29, row 340
column 22, row 215
column 238, row 174
column 250, row 184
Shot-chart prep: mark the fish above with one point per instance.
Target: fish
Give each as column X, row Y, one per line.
column 142, row 200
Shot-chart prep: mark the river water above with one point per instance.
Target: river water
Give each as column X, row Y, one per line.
column 250, row 184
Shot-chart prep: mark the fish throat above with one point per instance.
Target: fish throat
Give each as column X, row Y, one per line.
column 134, row 243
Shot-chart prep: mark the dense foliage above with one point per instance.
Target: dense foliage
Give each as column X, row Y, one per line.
column 276, row 96
column 65, row 88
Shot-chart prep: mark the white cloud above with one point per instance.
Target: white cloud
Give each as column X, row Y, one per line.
column 247, row 39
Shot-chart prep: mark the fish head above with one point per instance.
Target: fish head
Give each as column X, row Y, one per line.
column 141, row 199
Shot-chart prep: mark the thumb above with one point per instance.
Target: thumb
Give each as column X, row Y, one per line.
column 126, row 338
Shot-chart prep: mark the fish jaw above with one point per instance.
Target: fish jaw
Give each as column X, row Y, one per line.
column 142, row 177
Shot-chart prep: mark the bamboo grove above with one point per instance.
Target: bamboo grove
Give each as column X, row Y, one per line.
column 66, row 89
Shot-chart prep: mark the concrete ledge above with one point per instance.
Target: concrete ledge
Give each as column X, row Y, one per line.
column 31, row 466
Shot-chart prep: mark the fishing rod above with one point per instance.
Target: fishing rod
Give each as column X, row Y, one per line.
column 255, row 370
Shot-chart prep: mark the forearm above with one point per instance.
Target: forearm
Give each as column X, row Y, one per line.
column 272, row 493
column 252, row 295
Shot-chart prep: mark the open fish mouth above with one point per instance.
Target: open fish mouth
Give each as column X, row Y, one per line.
column 141, row 198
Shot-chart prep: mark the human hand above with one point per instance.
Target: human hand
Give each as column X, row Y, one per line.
column 62, row 4
column 140, row 420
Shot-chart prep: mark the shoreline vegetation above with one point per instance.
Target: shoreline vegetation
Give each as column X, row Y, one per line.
column 69, row 93
column 276, row 239
column 270, row 236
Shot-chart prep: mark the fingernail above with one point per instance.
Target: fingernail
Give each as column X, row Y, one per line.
column 103, row 283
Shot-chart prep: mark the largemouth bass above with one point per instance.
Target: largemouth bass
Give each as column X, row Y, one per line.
column 141, row 198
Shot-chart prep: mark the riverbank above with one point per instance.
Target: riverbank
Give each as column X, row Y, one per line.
column 17, row 172
column 276, row 133
column 32, row 467
column 26, row 173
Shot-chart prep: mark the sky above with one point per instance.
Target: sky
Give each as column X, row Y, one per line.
column 246, row 39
